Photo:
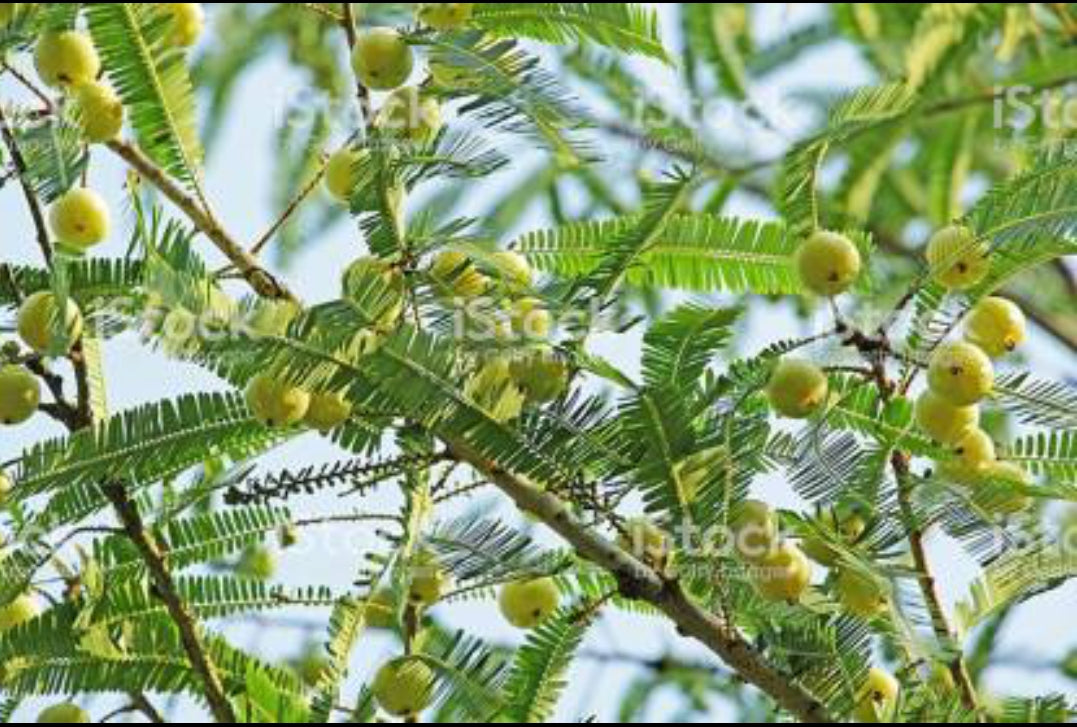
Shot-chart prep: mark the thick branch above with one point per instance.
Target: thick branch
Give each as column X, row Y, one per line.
column 261, row 280
column 639, row 582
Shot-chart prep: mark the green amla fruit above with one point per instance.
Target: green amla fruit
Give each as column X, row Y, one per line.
column 797, row 388
column 943, row 421
column 514, row 269
column 372, row 272
column 257, row 563
column 20, row 395
column 20, row 611
column 456, row 276
column 312, row 666
column 861, row 595
column 693, row 471
column 445, row 16
column 1001, row 493
column 65, row 713
column 997, row 326
column 495, row 390
column 382, row 59
column 828, row 263
column 6, row 488
column 531, row 320
column 784, row 575
column 327, row 412
column 273, row 317
column 66, row 59
column 754, row 528
column 404, row 687
column 343, row 172
column 526, row 604
column 845, row 523
column 39, row 322
column 380, row 610
column 957, row 259
column 100, row 112
column 878, row 698
column 961, row 374
column 974, row 450
column 409, row 114
column 80, row 219
column 429, row 581
column 188, row 22
column 541, row 376
column 275, row 403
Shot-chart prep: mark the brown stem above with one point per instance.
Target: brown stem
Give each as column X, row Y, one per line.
column 259, row 279
column 639, row 582
column 32, row 202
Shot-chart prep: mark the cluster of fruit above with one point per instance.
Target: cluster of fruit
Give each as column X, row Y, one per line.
column 404, row 686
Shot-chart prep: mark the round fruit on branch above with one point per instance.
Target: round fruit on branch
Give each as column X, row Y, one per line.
column 878, row 698
column 943, row 421
column 100, row 112
column 257, row 564
column 845, row 523
column 445, row 16
column 20, row 395
column 342, row 172
column 861, row 594
column 828, row 263
column 542, row 376
column 80, row 219
column 275, row 403
column 327, row 412
column 39, row 323
column 404, row 687
column 429, row 581
column 188, row 22
column 755, row 530
column 961, row 374
column 65, row 713
column 784, row 575
column 513, row 269
column 797, row 388
column 997, row 326
column 66, row 59
column 409, row 114
column 20, row 611
column 455, row 276
column 957, row 259
column 526, row 604
column 382, row 59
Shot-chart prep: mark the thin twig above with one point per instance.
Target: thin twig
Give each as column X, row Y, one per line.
column 32, row 202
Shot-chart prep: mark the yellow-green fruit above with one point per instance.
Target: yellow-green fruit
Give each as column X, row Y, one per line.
column 513, row 268
column 382, row 59
column 526, row 604
column 957, row 259
column 342, row 173
column 828, row 263
column 39, row 321
column 1002, row 495
column 541, row 376
column 312, row 666
column 403, row 687
column 531, row 319
column 22, row 610
column 784, row 575
column 6, row 488
column 100, row 112
column 66, row 59
column 693, row 471
column 997, row 326
column 975, row 450
column 797, row 388
column 445, row 16
column 961, row 374
column 275, row 403
column 188, row 22
column 380, row 611
column 861, row 595
column 429, row 581
column 754, row 529
column 64, row 714
column 258, row 564
column 327, row 412
column 494, row 388
column 372, row 272
column 846, row 525
column 80, row 219
column 20, row 394
column 408, row 114
column 942, row 421
column 878, row 698
column 273, row 317
column 644, row 540
column 456, row 276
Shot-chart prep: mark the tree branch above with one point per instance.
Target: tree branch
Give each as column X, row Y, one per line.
column 32, row 202
column 639, row 582
column 259, row 279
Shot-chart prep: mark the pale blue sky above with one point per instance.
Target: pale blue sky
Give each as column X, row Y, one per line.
column 238, row 184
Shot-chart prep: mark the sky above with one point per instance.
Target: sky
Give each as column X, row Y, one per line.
column 238, row 182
